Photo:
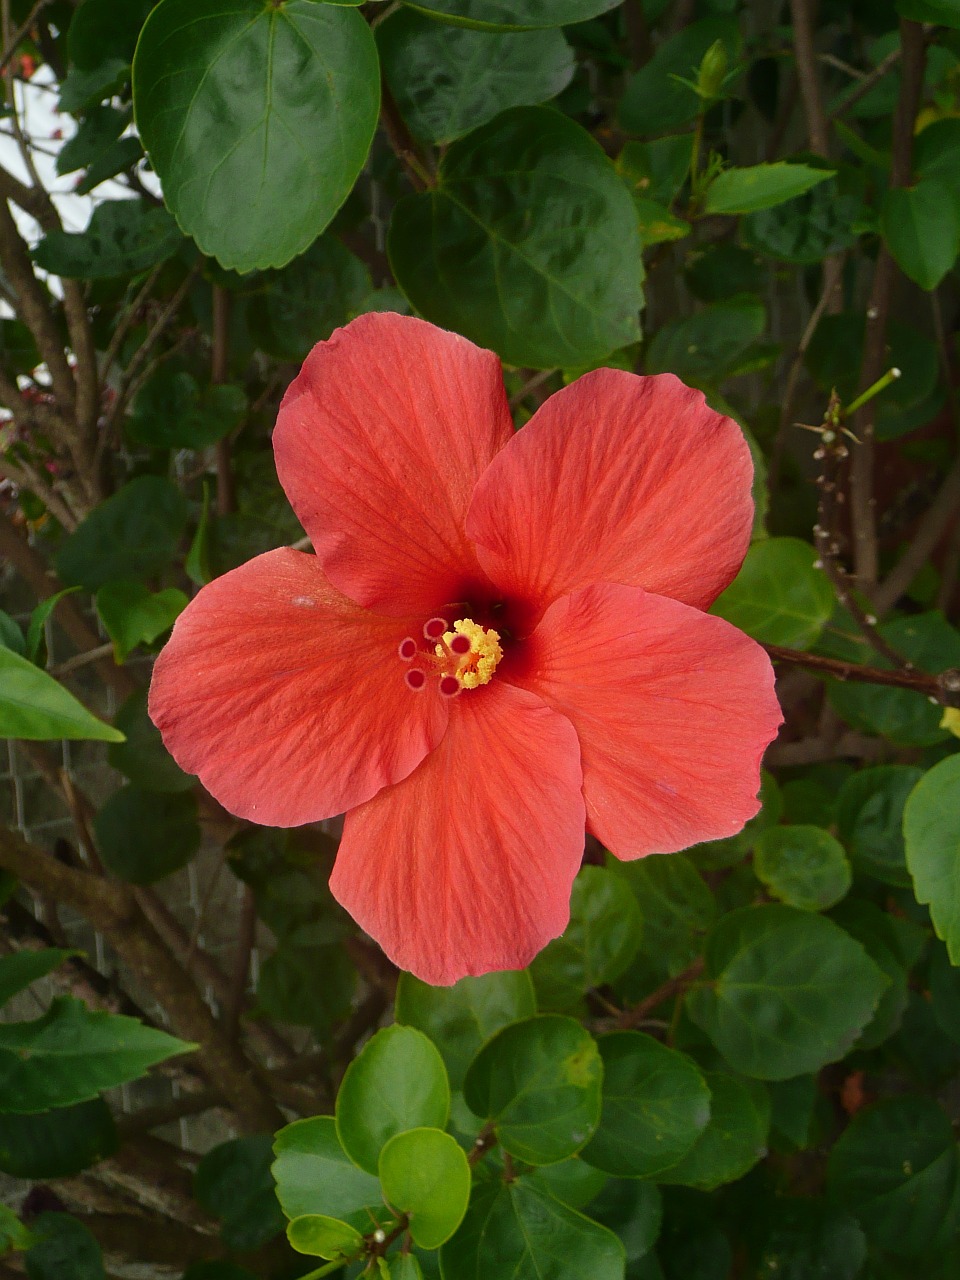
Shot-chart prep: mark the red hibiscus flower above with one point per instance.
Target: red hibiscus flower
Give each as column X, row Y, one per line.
column 499, row 641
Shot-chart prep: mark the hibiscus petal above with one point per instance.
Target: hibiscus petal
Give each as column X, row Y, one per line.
column 286, row 698
column 617, row 478
column 379, row 443
column 467, row 866
column 673, row 709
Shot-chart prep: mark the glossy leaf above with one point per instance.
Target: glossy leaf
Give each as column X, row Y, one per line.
column 734, row 1140
column 921, row 225
column 459, row 1019
column 57, row 1144
column 142, row 757
column 786, row 991
column 21, row 968
column 234, row 1183
column 896, row 1168
column 72, row 1053
column 870, row 819
column 597, row 945
column 424, row 1173
column 35, row 706
column 518, row 1230
column 133, row 534
column 779, row 597
column 172, row 412
column 931, row 829
column 38, row 621
column 760, row 186
column 324, row 1237
column 64, row 1250
column 132, row 615
column 277, row 101
column 676, row 909
column 656, row 1105
column 314, row 1174
column 122, row 236
column 397, row 1082
column 654, row 101
column 146, row 835
column 447, row 81
column 707, row 346
column 803, row 866
column 539, row 1082
column 558, row 223
column 515, row 15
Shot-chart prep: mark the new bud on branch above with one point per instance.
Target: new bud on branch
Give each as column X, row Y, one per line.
column 499, row 643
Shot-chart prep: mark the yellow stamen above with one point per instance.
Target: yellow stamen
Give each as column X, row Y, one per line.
column 478, row 665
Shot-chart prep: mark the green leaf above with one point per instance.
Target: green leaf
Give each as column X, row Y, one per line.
column 65, row 1250
column 134, row 534
column 35, row 706
column 11, row 637
column 676, row 909
column 142, row 757
column 122, row 237
column 656, row 1104
column 146, row 835
column 460, row 1018
column 760, row 186
column 657, row 170
column 597, row 945
column 896, row 1169
column 424, row 1173
column 172, row 412
column 512, row 15
column 931, row 831
column 633, row 1210
column 447, row 81
column 931, row 644
column 794, row 1106
column 288, row 990
column 279, row 102
column 943, row 12
column 72, row 1053
column 707, row 346
column 324, row 1237
column 19, row 970
column 14, row 1236
column 572, row 1182
column 657, row 224
column 787, row 991
column 944, row 982
column 870, row 820
column 197, row 563
column 306, row 301
column 38, row 620
column 539, row 1082
column 778, row 597
column 715, row 272
column 234, row 1183
column 804, row 866
column 396, row 1082
column 654, row 102
column 807, row 1238
column 530, row 198
column 806, row 229
column 314, row 1175
column 520, row 1231
column 132, row 615
column 873, row 929
column 921, row 225
column 57, row 1144
column 734, row 1140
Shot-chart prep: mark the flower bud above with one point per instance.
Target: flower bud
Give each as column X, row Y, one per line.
column 713, row 71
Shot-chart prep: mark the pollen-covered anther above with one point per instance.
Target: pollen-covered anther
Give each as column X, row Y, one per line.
column 471, row 651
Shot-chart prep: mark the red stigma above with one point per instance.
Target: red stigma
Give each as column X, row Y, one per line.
column 415, row 679
column 449, row 686
column 407, row 649
column 435, row 628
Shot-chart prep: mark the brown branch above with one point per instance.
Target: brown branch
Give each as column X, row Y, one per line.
column 806, row 61
column 415, row 163
column 943, row 688
column 931, row 529
column 862, row 500
column 246, row 937
column 20, row 34
column 129, row 318
column 863, row 87
column 638, row 33
column 672, row 987
column 113, row 909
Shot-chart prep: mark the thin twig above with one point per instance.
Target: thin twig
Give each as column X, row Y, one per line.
column 870, row 79
column 806, row 61
column 219, row 368
column 943, row 688
column 128, row 319
column 12, row 45
column 667, row 991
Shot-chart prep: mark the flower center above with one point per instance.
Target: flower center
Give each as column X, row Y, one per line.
column 464, row 657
